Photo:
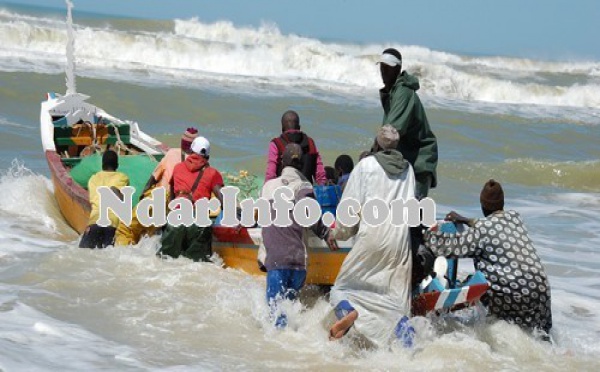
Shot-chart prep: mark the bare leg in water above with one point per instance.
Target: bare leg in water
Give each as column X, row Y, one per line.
column 342, row 326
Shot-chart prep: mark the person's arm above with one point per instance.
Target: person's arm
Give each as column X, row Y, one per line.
column 117, row 192
column 320, row 174
column 427, row 159
column 319, row 229
column 342, row 232
column 401, row 110
column 92, row 187
column 452, row 216
column 217, row 183
column 352, row 190
column 459, row 245
column 272, row 157
column 151, row 182
column 217, row 191
column 122, row 182
column 172, row 188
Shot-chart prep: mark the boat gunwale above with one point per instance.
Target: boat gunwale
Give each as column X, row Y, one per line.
column 67, row 183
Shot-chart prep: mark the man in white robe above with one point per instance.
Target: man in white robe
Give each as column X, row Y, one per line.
column 372, row 292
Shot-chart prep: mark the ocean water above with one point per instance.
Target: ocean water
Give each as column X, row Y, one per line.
column 532, row 125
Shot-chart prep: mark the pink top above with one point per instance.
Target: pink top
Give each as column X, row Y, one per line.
column 164, row 170
column 273, row 155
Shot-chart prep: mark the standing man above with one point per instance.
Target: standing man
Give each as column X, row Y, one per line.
column 372, row 290
column 285, row 246
column 312, row 169
column 402, row 109
column 194, row 179
column 161, row 177
column 96, row 236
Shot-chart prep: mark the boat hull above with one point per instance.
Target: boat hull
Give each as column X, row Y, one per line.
column 72, row 199
column 239, row 249
column 450, row 299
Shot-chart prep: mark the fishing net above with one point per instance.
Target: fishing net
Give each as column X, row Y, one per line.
column 248, row 184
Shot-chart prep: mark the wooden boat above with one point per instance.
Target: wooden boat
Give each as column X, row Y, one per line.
column 239, row 249
column 439, row 298
column 73, row 131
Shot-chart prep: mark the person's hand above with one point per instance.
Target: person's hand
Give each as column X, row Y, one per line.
column 331, row 242
column 456, row 218
column 117, row 192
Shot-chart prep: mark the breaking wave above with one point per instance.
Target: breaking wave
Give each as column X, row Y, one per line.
column 192, row 52
column 28, row 202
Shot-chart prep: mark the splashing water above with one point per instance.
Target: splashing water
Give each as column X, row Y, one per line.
column 28, row 203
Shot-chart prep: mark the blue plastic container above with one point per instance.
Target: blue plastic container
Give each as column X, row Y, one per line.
column 328, row 197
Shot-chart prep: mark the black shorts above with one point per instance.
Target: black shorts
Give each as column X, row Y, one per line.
column 98, row 237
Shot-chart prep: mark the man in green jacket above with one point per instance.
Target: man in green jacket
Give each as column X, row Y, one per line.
column 402, row 109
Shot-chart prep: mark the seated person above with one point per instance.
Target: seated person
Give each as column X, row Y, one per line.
column 96, row 236
column 343, row 167
column 331, row 176
column 500, row 245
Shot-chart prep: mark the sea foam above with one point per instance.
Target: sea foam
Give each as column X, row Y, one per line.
column 189, row 52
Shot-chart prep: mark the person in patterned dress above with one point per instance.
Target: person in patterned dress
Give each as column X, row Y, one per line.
column 500, row 247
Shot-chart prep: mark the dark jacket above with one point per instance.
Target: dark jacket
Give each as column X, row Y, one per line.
column 402, row 109
column 309, row 152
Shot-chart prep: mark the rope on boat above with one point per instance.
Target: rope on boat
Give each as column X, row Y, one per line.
column 94, row 144
column 121, row 143
column 94, row 138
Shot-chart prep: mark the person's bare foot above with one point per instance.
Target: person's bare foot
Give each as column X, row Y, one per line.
column 342, row 326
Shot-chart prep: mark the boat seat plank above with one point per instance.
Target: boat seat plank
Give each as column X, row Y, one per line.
column 86, row 140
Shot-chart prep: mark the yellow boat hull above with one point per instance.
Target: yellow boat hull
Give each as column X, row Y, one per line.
column 239, row 249
column 72, row 199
